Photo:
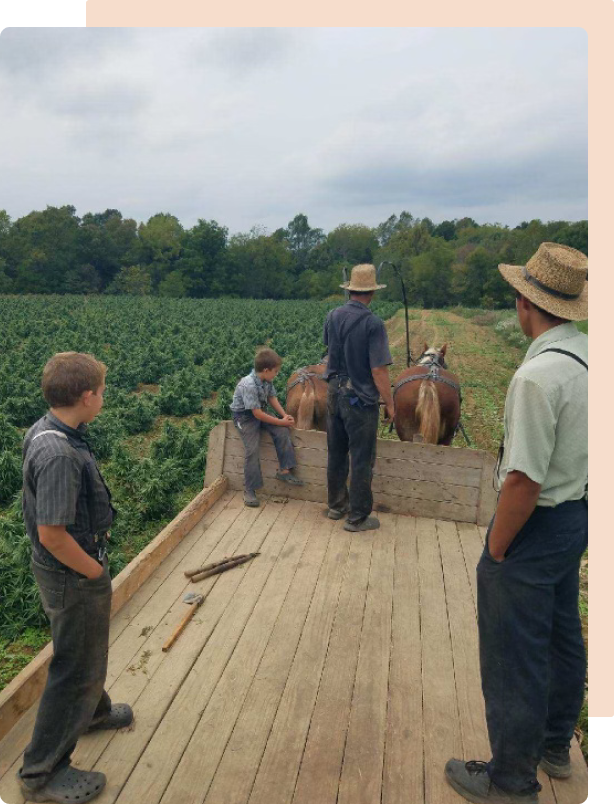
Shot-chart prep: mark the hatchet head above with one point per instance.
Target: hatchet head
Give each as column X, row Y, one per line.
column 193, row 598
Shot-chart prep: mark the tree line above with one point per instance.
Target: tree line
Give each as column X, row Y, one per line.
column 451, row 262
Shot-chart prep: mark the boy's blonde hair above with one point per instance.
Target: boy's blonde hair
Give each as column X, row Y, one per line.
column 68, row 374
column 266, row 359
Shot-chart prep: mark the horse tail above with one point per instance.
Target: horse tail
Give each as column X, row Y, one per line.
column 428, row 412
column 306, row 407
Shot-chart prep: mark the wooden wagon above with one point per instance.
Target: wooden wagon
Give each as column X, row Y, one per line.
column 335, row 667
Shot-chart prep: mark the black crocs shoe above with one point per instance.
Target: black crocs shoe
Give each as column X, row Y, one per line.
column 120, row 717
column 68, row 786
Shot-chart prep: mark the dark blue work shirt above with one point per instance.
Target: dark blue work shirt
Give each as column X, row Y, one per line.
column 364, row 348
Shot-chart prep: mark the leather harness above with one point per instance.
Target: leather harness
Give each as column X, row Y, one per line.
column 432, row 374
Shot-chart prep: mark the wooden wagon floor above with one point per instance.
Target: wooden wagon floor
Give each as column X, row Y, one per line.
column 335, row 667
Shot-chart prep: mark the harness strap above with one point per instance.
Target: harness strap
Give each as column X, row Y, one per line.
column 302, row 378
column 432, row 375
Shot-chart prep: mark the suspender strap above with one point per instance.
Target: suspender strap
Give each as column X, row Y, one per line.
column 53, row 432
column 341, row 340
column 569, row 354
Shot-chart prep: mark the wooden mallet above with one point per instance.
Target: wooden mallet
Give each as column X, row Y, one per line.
column 195, row 601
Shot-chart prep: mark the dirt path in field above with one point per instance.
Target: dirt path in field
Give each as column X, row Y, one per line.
column 483, row 361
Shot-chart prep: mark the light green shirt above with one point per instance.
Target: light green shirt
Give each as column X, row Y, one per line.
column 546, row 417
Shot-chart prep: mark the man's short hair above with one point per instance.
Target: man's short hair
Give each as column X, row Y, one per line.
column 68, row 374
column 548, row 316
column 266, row 359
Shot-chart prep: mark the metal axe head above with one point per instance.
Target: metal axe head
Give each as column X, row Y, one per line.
column 193, row 597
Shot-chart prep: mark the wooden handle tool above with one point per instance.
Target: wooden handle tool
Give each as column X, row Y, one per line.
column 195, row 602
column 234, row 562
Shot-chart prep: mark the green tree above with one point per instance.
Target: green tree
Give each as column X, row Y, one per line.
column 202, row 262
column 107, row 241
column 173, row 285
column 301, row 239
column 432, row 276
column 132, row 280
column 352, row 243
column 41, row 248
column 259, row 266
column 161, row 240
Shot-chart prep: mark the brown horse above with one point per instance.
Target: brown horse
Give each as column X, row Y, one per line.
column 427, row 399
column 306, row 397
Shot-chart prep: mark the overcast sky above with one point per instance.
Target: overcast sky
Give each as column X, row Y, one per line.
column 252, row 126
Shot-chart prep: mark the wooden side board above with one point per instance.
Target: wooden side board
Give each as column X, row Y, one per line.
column 26, row 688
column 418, row 479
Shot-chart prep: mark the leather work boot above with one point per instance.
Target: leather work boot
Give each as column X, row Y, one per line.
column 555, row 762
column 472, row 782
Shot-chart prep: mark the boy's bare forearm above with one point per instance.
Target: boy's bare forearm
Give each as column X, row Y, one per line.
column 265, row 417
column 276, row 405
column 62, row 546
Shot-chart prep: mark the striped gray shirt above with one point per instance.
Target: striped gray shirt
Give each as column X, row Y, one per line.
column 62, row 485
column 251, row 392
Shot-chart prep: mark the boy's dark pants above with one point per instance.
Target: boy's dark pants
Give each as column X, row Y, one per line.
column 532, row 654
column 79, row 611
column 249, row 428
column 351, row 432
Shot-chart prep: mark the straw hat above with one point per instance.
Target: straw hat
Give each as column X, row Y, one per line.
column 555, row 279
column 362, row 280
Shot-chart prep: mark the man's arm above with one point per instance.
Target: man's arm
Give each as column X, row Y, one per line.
column 517, row 501
column 381, row 378
column 61, row 544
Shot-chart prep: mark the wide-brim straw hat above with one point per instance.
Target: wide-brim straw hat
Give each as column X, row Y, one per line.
column 555, row 279
column 363, row 279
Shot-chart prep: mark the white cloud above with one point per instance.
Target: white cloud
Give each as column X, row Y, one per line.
column 251, row 126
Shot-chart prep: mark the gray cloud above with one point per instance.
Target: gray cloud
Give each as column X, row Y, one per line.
column 37, row 52
column 243, row 51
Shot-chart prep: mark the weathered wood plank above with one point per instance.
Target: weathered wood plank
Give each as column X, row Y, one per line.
column 276, row 777
column 27, row 687
column 173, row 702
column 403, row 776
column 463, row 631
column 442, row 739
column 320, row 770
column 201, row 757
column 401, row 487
column 413, row 469
column 215, row 453
column 472, row 547
column 386, row 503
column 235, row 774
column 363, row 761
column 387, row 448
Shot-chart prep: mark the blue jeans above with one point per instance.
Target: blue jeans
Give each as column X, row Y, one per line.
column 79, row 611
column 249, row 428
column 532, row 653
column 351, row 431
